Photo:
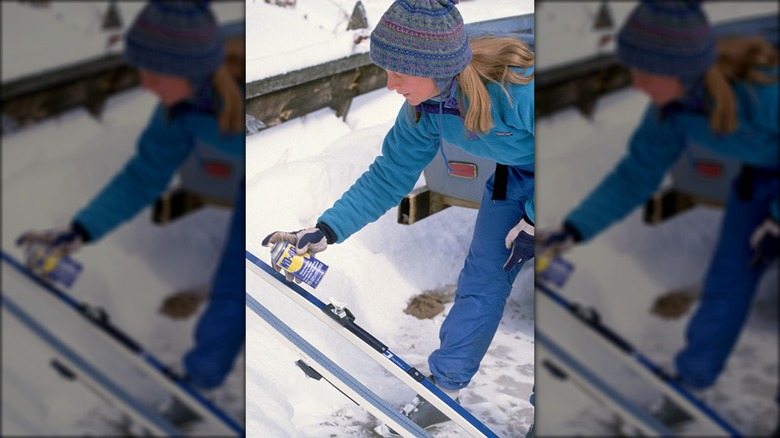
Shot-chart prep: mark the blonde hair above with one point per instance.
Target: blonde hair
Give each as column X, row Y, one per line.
column 231, row 116
column 739, row 59
column 491, row 60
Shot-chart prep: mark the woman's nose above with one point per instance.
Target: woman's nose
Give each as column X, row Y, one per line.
column 392, row 84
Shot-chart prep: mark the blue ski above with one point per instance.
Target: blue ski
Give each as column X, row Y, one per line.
column 134, row 351
column 343, row 321
column 317, row 365
column 556, row 271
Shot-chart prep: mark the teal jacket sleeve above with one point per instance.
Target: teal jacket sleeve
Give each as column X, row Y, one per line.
column 653, row 149
column 529, row 209
column 407, row 148
column 161, row 149
column 525, row 109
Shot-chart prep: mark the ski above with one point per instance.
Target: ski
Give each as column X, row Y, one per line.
column 79, row 368
column 564, row 366
column 130, row 349
column 553, row 306
column 316, row 365
column 341, row 320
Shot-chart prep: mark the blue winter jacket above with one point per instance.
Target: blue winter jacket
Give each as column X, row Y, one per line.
column 660, row 139
column 162, row 148
column 408, row 148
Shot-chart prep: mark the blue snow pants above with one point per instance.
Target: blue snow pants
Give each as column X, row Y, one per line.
column 729, row 286
column 220, row 332
column 483, row 286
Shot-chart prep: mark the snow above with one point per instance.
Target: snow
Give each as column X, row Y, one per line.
column 622, row 271
column 282, row 40
column 376, row 272
column 294, row 172
column 51, row 170
column 128, row 273
column 297, row 170
column 69, row 32
column 132, row 269
column 566, row 27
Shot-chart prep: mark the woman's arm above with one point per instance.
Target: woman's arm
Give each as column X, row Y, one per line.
column 653, row 149
column 406, row 150
column 162, row 148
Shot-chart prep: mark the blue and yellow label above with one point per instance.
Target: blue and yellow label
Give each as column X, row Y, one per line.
column 52, row 266
column 303, row 267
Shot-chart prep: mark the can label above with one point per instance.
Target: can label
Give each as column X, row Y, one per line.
column 303, row 267
column 52, row 266
column 554, row 270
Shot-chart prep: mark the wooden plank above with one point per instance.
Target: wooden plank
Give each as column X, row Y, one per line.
column 334, row 84
column 86, row 83
column 582, row 82
column 308, row 74
column 334, row 90
column 33, row 99
column 579, row 84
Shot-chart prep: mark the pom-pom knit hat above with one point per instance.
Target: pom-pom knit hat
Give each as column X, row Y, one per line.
column 669, row 38
column 179, row 38
column 421, row 38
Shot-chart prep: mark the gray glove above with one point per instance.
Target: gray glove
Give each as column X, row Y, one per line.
column 556, row 241
column 61, row 241
column 45, row 249
column 309, row 240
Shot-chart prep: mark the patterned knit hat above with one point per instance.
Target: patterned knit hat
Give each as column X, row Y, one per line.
column 421, row 38
column 179, row 38
column 669, row 38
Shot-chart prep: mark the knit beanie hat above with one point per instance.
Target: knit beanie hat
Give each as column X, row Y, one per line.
column 421, row 38
column 669, row 38
column 179, row 38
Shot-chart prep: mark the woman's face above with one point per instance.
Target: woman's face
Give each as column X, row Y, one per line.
column 169, row 89
column 661, row 89
column 415, row 89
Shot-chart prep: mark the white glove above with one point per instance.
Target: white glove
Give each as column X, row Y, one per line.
column 520, row 240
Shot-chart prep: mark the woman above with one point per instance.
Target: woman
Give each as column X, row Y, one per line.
column 723, row 96
column 478, row 95
column 181, row 59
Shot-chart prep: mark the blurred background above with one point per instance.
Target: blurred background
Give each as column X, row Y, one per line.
column 601, row 332
column 72, row 112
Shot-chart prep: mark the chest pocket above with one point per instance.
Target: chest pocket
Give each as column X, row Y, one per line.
column 212, row 174
column 704, row 174
column 208, row 177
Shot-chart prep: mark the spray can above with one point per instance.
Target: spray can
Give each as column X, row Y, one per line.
column 52, row 266
column 303, row 267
